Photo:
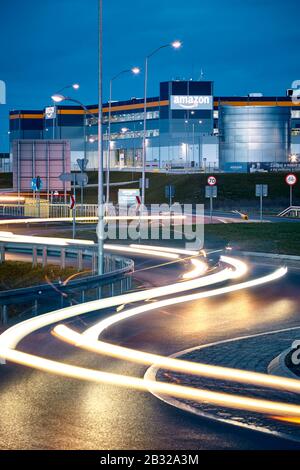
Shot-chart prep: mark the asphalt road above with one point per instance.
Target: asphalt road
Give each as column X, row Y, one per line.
column 41, row 411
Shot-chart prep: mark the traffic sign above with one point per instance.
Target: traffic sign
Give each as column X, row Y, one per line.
column 147, row 183
column 211, row 192
column 67, row 177
column 72, row 201
column 170, row 191
column 82, row 163
column 261, row 190
column 75, row 178
column 211, row 180
column 36, row 184
column 291, row 179
column 82, row 179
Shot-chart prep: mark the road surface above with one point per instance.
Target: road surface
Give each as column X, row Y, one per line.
column 42, row 411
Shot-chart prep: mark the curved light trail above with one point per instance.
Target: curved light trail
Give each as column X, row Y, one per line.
column 92, row 219
column 89, row 340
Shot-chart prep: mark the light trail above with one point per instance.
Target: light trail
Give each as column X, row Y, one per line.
column 141, row 251
column 10, row 237
column 88, row 340
column 200, row 268
column 92, row 219
column 180, row 391
column 11, row 337
column 166, row 249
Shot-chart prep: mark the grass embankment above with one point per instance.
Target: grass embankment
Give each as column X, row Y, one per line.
column 17, row 274
column 283, row 237
column 235, row 191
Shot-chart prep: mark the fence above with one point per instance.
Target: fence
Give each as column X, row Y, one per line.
column 51, row 211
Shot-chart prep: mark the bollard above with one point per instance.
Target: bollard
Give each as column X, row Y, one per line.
column 4, row 315
column 44, row 257
column 2, row 253
column 80, row 260
column 63, row 258
column 94, row 262
column 34, row 257
column 35, row 308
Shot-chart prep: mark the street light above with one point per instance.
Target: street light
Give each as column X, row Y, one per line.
column 174, row 45
column 74, row 86
column 134, row 71
column 100, row 227
column 293, row 158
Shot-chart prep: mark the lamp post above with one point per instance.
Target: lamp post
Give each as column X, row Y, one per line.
column 100, row 228
column 58, row 98
column 175, row 45
column 135, row 71
column 74, row 86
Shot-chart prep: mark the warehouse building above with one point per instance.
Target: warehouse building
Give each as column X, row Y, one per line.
column 188, row 129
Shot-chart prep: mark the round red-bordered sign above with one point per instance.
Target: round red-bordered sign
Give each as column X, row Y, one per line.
column 291, row 179
column 211, row 180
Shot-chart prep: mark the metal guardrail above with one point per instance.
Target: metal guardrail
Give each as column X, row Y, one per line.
column 292, row 211
column 113, row 264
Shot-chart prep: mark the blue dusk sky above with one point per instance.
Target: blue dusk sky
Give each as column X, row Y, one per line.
column 243, row 46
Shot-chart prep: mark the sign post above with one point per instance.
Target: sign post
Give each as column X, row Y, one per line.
column 73, row 209
column 77, row 179
column 211, row 192
column 170, row 193
column 261, row 191
column 82, row 163
column 291, row 179
column 37, row 186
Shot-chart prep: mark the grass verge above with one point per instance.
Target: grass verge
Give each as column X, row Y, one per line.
column 283, row 237
column 17, row 274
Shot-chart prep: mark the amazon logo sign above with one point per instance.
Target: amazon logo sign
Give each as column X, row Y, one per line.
column 191, row 102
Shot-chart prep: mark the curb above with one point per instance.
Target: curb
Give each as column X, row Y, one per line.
column 269, row 255
column 151, row 375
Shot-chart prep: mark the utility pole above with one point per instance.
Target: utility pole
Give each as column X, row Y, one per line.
column 100, row 228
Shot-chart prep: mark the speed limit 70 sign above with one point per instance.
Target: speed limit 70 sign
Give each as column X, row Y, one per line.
column 291, row 179
column 211, row 181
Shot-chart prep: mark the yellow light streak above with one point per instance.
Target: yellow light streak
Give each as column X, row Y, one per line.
column 200, row 268
column 141, row 251
column 179, row 251
column 11, row 337
column 188, row 393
